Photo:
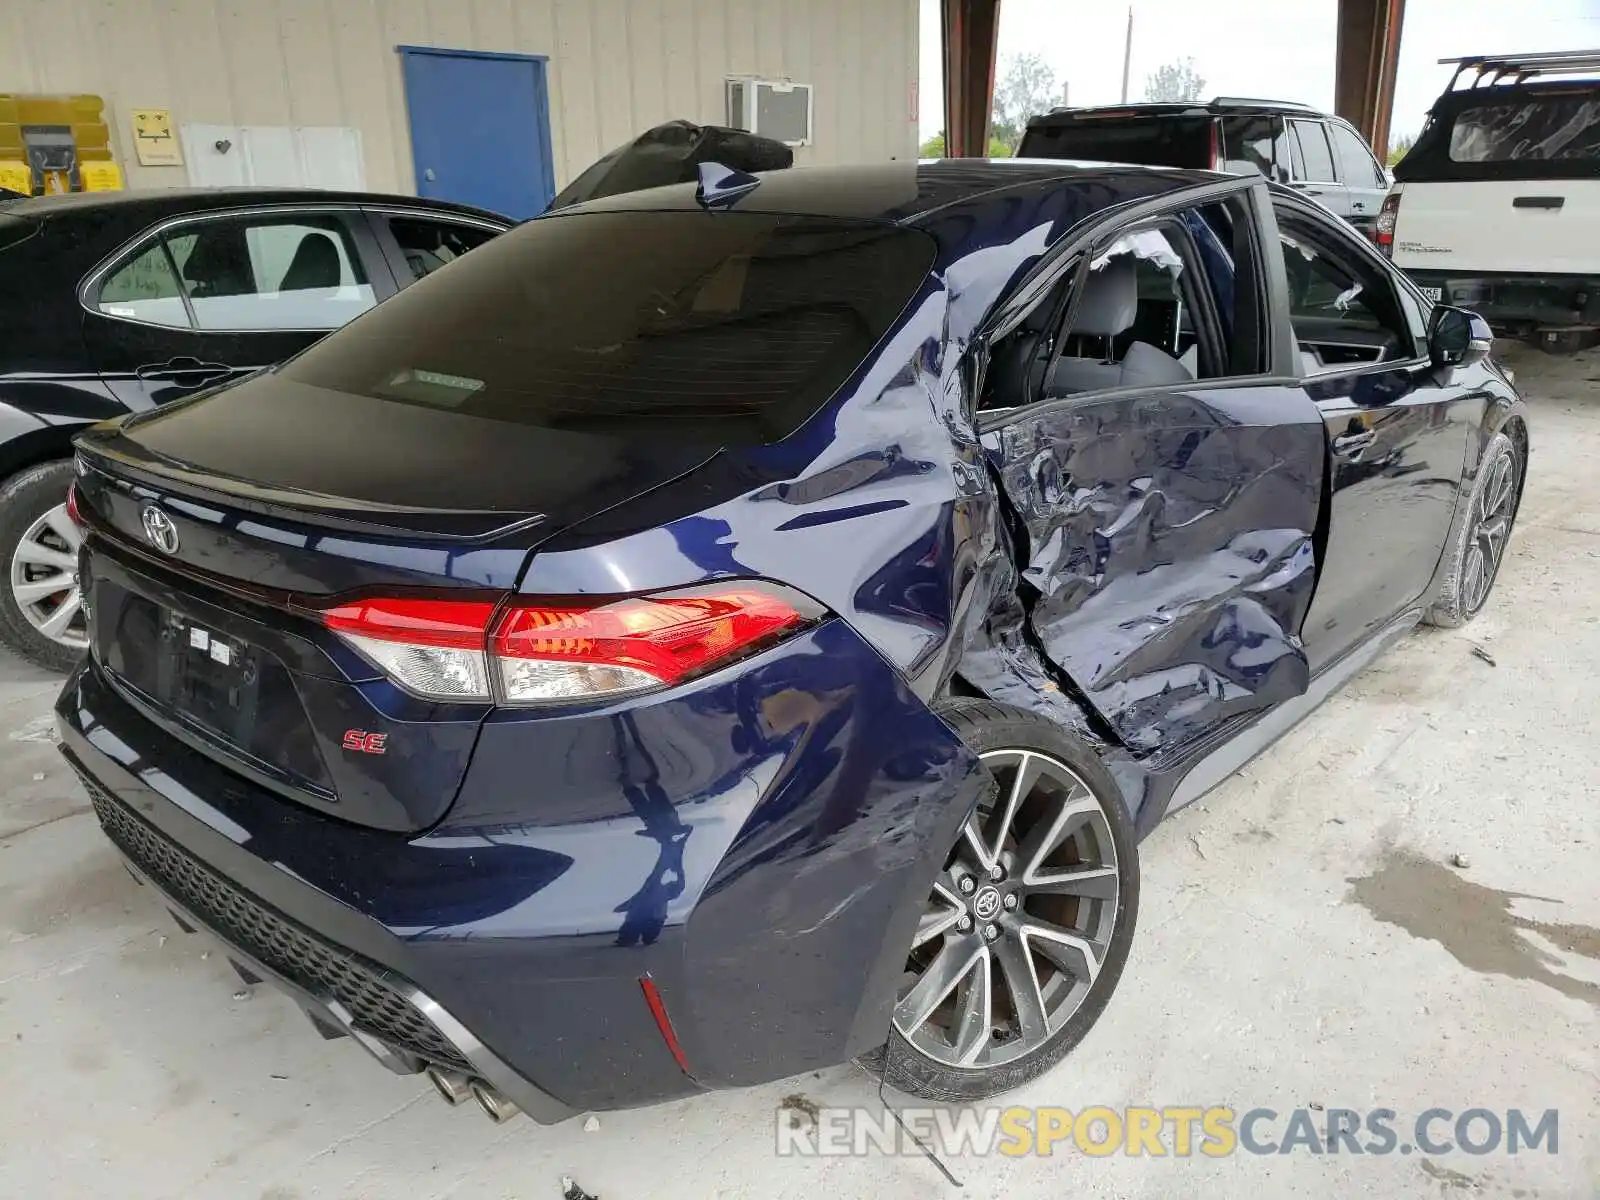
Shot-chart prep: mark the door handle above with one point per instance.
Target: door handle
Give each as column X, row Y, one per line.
column 1353, row 445
column 184, row 371
column 1358, row 205
column 1538, row 202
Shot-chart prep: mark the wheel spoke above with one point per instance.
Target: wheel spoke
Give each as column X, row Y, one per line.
column 949, row 967
column 37, row 554
column 61, row 524
column 1044, row 837
column 985, row 839
column 1093, row 883
column 1072, row 952
column 975, row 1024
column 1022, row 983
column 1499, row 491
column 1472, row 576
column 38, row 589
column 58, row 621
column 944, row 911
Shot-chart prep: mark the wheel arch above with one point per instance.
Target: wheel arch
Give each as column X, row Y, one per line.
column 1502, row 413
column 26, row 441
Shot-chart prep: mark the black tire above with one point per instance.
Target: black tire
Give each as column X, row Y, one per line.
column 24, row 498
column 1463, row 593
column 989, row 727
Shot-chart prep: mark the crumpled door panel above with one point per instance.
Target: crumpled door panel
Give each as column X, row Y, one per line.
column 1170, row 552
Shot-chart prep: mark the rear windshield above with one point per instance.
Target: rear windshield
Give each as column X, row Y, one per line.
column 1550, row 127
column 707, row 327
column 1509, row 134
column 1146, row 141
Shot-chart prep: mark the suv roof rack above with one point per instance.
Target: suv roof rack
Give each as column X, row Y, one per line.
column 1514, row 68
column 1177, row 107
column 1253, row 102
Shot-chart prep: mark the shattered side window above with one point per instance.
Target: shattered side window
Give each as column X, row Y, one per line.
column 1549, row 127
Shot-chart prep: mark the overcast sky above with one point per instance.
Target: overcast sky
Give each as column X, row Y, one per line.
column 1280, row 49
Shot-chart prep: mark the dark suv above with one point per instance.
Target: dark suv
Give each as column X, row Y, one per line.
column 1318, row 155
column 112, row 303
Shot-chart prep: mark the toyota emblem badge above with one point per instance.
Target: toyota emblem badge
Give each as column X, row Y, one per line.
column 159, row 529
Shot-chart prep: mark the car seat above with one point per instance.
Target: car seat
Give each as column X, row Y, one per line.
column 315, row 265
column 1109, row 307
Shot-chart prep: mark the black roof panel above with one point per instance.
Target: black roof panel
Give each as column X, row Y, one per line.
column 902, row 192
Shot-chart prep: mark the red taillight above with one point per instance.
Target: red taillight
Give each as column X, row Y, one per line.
column 1388, row 216
column 664, row 637
column 457, row 624
column 540, row 652
column 74, row 512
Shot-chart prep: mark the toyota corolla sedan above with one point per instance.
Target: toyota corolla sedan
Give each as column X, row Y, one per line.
column 723, row 630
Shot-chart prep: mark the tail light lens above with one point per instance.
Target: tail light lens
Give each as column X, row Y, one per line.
column 542, row 652
column 74, row 508
column 1388, row 216
column 431, row 647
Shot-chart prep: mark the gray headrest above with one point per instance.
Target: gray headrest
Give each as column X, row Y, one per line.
column 1110, row 299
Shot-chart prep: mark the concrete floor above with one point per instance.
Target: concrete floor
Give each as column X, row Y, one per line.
column 1302, row 941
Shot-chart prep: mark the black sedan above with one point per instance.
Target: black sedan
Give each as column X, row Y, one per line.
column 111, row 303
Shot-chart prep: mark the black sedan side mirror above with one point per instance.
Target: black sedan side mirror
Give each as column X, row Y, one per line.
column 1458, row 338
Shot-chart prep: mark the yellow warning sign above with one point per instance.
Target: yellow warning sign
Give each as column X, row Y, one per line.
column 100, row 176
column 153, row 138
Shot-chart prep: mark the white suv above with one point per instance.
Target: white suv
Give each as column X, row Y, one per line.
column 1497, row 206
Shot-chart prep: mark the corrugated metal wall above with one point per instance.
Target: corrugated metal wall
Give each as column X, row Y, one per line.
column 616, row 66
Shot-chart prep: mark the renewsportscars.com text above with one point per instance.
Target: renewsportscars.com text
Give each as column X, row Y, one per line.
column 1177, row 1131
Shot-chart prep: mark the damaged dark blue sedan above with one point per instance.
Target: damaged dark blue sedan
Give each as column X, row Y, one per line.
column 716, row 632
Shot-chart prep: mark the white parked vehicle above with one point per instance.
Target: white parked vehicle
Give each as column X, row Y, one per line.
column 1497, row 206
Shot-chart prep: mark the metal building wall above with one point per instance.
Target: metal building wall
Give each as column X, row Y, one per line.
column 616, row 66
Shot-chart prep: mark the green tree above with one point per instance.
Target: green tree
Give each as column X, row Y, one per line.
column 934, row 147
column 1176, row 83
column 1400, row 147
column 1026, row 86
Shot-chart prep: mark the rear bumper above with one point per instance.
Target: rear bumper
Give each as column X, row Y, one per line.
column 440, row 1038
column 759, row 850
column 1518, row 303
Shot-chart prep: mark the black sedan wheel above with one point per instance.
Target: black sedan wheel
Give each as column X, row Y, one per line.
column 1027, row 928
column 41, row 609
column 1481, row 544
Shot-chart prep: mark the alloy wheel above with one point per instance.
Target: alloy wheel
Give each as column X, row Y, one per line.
column 1019, row 922
column 44, row 578
column 1492, row 515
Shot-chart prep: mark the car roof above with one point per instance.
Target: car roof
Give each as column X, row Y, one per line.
column 909, row 192
column 156, row 203
column 1221, row 106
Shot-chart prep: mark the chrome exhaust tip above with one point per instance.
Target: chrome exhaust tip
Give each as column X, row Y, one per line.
column 452, row 1085
column 495, row 1106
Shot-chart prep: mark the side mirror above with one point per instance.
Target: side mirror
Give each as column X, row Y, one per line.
column 1458, row 338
